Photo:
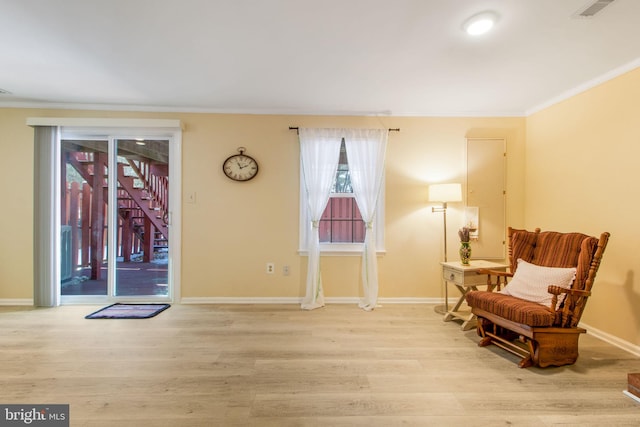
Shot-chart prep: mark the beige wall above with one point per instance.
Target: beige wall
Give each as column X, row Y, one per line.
column 581, row 172
column 16, row 192
column 233, row 229
column 576, row 171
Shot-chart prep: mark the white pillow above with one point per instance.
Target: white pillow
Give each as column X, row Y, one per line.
column 530, row 282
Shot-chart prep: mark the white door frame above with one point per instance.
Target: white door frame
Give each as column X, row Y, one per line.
column 47, row 259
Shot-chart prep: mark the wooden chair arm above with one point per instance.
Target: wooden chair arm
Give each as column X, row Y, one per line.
column 557, row 290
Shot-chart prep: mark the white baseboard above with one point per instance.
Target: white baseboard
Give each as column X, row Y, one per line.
column 240, row 300
column 298, row 300
column 16, row 301
column 412, row 301
column 613, row 340
column 634, row 397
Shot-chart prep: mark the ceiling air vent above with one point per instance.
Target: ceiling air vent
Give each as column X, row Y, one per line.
column 593, row 8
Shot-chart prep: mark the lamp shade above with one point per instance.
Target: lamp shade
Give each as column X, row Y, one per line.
column 445, row 193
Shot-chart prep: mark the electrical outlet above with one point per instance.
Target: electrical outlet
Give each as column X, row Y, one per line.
column 271, row 268
column 285, row 270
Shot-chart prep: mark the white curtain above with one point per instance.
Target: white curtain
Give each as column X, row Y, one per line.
column 319, row 154
column 366, row 150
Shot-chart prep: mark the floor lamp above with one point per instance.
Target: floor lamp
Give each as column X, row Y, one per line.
column 444, row 193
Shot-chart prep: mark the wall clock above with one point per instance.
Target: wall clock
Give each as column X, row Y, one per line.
column 240, row 167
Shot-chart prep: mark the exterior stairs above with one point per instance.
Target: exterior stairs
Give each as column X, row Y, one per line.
column 141, row 197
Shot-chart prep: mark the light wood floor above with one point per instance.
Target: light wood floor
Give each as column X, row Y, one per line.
column 275, row 365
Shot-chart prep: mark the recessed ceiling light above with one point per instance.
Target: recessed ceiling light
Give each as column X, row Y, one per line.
column 480, row 24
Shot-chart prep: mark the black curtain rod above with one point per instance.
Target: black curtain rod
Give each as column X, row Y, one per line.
column 297, row 128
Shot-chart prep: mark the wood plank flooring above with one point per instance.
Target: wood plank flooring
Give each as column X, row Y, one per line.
column 276, row 365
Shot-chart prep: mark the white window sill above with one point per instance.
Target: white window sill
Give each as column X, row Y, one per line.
column 345, row 249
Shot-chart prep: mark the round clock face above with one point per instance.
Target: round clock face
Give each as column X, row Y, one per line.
column 240, row 167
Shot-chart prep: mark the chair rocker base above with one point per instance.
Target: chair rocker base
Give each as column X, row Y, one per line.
column 536, row 346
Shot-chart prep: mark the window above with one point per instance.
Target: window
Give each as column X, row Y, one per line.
column 341, row 221
column 341, row 226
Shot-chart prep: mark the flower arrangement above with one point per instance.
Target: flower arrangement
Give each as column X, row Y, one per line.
column 463, row 233
column 465, row 246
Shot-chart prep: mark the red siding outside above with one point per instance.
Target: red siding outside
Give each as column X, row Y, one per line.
column 341, row 222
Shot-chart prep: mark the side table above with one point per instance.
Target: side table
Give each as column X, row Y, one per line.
column 466, row 278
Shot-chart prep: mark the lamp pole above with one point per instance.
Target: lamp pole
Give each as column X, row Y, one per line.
column 443, row 209
column 444, row 193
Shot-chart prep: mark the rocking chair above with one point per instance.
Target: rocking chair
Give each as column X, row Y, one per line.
column 541, row 335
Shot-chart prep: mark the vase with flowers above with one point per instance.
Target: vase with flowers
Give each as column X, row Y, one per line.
column 465, row 247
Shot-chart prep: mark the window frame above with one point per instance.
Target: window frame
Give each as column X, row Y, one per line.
column 339, row 249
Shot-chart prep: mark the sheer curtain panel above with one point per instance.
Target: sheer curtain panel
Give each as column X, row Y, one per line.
column 366, row 150
column 319, row 154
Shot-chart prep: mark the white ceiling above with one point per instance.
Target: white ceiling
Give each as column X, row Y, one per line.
column 397, row 57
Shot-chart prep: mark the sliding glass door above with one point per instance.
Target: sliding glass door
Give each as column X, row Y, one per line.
column 142, row 200
column 115, row 217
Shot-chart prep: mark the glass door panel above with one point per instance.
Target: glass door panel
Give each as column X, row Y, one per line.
column 83, row 209
column 142, row 217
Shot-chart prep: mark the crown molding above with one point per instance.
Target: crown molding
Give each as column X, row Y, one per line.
column 610, row 75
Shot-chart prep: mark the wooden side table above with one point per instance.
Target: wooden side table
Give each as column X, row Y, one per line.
column 466, row 278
